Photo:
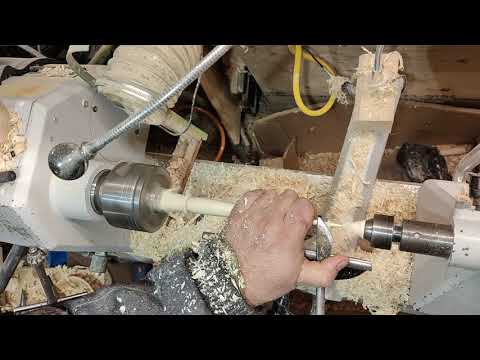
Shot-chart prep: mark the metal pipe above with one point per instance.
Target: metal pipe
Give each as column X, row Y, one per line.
column 16, row 254
column 467, row 164
column 79, row 69
column 353, row 263
column 101, row 55
column 320, row 301
column 46, row 283
column 45, row 303
column 378, row 58
column 69, row 161
column 31, row 51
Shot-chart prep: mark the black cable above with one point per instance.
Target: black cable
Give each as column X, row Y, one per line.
column 314, row 56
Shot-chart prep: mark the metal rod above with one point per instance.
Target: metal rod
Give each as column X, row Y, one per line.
column 79, row 69
column 31, row 51
column 378, row 58
column 46, row 283
column 320, row 301
column 16, row 254
column 45, row 303
column 353, row 263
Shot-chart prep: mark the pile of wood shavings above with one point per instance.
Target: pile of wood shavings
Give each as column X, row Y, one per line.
column 349, row 194
column 452, row 162
column 67, row 281
column 14, row 144
column 326, row 163
column 178, row 235
column 229, row 182
column 322, row 163
column 61, row 70
column 385, row 289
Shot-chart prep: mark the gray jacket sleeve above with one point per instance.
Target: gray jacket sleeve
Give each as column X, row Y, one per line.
column 192, row 283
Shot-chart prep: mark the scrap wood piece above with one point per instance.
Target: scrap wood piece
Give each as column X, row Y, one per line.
column 217, row 90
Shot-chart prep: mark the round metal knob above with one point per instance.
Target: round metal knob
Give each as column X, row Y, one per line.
column 67, row 161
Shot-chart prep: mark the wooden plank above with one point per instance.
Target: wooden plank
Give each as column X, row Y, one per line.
column 435, row 73
column 290, row 157
column 216, row 87
column 415, row 122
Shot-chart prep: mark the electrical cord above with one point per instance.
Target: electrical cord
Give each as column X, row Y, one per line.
column 297, row 69
column 217, row 122
column 191, row 112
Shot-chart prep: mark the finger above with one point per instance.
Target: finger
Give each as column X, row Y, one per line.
column 263, row 201
column 323, row 273
column 246, row 201
column 299, row 217
column 283, row 203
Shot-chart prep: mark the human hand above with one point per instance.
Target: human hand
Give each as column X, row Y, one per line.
column 267, row 233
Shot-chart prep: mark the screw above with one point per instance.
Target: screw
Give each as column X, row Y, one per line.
column 85, row 103
column 94, row 108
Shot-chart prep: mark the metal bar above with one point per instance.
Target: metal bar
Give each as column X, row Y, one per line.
column 45, row 303
column 322, row 251
column 16, row 254
column 46, row 283
column 79, row 69
column 378, row 58
column 31, row 51
column 320, row 301
column 353, row 263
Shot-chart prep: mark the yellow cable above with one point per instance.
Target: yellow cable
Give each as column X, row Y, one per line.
column 309, row 57
column 297, row 69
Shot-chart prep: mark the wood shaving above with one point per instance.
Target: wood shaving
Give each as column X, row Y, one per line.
column 67, row 281
column 385, row 289
column 452, row 162
column 178, row 235
column 60, row 70
column 14, row 145
column 335, row 84
column 321, row 163
column 326, row 163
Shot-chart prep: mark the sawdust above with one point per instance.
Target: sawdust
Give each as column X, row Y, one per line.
column 385, row 289
column 335, row 84
column 352, row 188
column 60, row 70
column 229, row 182
column 178, row 235
column 14, row 145
column 67, row 281
column 321, row 163
column 453, row 161
column 326, row 163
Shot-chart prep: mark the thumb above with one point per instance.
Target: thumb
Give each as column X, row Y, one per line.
column 323, row 273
